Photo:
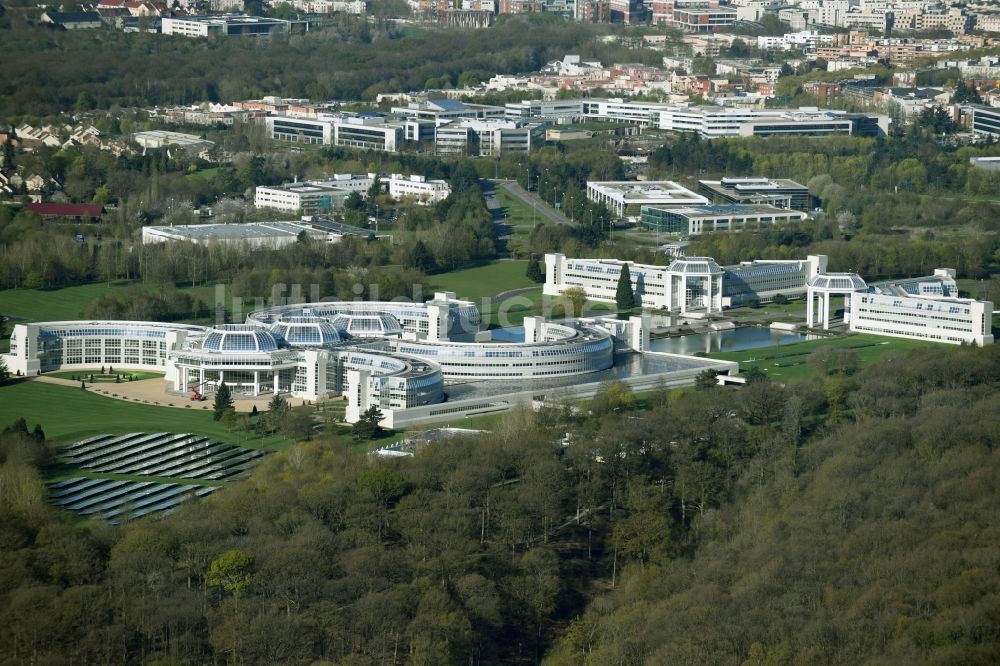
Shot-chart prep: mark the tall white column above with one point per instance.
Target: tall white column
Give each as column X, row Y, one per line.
column 256, row 382
column 277, row 386
column 684, row 294
column 826, row 311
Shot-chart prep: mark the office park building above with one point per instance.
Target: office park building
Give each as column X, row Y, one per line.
column 625, row 198
column 416, row 362
column 695, row 220
column 326, row 194
column 780, row 192
column 926, row 308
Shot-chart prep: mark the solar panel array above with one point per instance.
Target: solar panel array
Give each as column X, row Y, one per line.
column 165, row 455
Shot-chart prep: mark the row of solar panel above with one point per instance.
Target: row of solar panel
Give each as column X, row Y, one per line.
column 161, row 454
column 111, row 499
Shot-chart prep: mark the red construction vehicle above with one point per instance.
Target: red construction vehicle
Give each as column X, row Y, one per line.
column 196, row 395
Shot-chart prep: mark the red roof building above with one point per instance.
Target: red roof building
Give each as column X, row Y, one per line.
column 77, row 211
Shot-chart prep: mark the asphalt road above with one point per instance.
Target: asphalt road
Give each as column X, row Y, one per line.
column 543, row 209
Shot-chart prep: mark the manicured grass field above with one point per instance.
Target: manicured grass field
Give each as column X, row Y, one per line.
column 67, row 414
column 789, row 362
column 483, row 281
column 519, row 215
column 69, row 302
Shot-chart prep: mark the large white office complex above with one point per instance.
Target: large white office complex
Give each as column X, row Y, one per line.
column 926, row 308
column 708, row 121
column 687, row 284
column 416, row 362
column 625, row 198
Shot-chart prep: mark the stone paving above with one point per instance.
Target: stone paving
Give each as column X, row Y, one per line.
column 153, row 392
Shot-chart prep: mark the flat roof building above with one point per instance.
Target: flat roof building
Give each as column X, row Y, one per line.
column 312, row 196
column 708, row 121
column 229, row 26
column 625, row 198
column 371, row 132
column 419, row 188
column 487, row 137
column 257, row 234
column 163, row 139
column 922, row 308
column 706, row 219
column 442, row 110
column 780, row 192
column 986, row 120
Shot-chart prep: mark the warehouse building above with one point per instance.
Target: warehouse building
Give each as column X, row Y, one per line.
column 255, row 234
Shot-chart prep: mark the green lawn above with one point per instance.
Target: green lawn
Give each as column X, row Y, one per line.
column 68, row 414
column 789, row 362
column 69, row 302
column 794, row 311
column 483, row 281
column 519, row 215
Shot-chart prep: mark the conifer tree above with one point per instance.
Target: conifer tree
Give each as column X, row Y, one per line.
column 223, row 401
column 625, row 296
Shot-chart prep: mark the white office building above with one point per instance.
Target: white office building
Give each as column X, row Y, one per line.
column 353, row 131
column 691, row 283
column 923, row 308
column 708, row 121
column 950, row 320
column 306, row 197
column 418, row 188
column 485, row 138
column 231, row 25
column 687, row 284
column 625, row 198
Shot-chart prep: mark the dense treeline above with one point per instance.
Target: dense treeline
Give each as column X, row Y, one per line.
column 847, row 518
column 872, row 543
column 50, row 71
column 873, row 256
column 913, row 162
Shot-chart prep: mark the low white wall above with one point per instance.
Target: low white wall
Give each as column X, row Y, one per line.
column 460, row 409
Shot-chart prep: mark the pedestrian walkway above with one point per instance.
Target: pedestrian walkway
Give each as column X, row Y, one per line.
column 154, row 392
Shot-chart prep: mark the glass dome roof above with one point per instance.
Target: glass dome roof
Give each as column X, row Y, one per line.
column 839, row 281
column 695, row 266
column 306, row 331
column 239, row 338
column 371, row 325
